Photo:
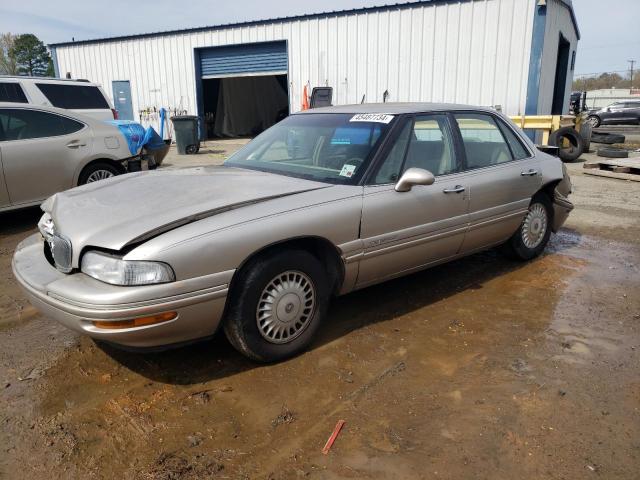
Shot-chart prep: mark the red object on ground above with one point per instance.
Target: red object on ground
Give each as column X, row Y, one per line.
column 305, row 99
column 332, row 438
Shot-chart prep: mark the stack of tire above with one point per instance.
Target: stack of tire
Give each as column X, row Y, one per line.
column 570, row 142
column 610, row 139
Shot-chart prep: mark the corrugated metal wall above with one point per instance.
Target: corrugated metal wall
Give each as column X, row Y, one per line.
column 558, row 22
column 473, row 52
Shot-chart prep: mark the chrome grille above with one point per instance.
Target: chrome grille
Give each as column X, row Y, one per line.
column 61, row 252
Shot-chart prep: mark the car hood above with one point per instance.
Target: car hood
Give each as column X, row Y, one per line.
column 131, row 208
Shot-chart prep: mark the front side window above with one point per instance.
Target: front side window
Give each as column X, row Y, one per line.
column 12, row 92
column 73, row 96
column 423, row 143
column 326, row 147
column 484, row 143
column 23, row 124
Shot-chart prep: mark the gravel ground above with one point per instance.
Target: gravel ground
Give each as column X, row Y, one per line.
column 482, row 368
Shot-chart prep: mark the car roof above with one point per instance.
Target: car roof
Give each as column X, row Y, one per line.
column 395, row 108
column 72, row 81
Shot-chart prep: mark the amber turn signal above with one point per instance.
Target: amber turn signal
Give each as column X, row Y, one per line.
column 136, row 322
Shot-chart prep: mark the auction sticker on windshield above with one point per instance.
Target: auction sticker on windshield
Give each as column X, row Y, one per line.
column 347, row 171
column 372, row 117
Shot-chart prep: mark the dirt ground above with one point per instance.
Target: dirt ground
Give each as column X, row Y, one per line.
column 479, row 369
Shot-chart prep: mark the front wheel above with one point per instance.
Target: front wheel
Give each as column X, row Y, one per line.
column 594, row 121
column 276, row 306
column 533, row 235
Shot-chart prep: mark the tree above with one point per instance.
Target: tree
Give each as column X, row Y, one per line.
column 30, row 55
column 602, row 81
column 7, row 62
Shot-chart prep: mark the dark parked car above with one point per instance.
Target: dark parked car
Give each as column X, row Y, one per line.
column 618, row 113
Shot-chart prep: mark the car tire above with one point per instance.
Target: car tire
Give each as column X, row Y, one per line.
column 576, row 143
column 534, row 232
column 610, row 152
column 586, row 131
column 98, row 171
column 607, row 138
column 277, row 303
column 594, row 120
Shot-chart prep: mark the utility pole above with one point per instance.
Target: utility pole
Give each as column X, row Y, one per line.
column 632, row 62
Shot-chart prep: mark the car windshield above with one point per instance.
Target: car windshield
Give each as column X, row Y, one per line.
column 325, row 147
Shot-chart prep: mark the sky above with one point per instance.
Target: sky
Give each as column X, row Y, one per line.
column 610, row 29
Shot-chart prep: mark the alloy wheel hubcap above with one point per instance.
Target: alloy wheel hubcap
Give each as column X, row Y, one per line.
column 285, row 307
column 534, row 226
column 99, row 175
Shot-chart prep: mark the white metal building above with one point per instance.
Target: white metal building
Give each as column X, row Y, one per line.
column 518, row 54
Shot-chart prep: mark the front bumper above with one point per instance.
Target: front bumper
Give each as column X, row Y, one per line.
column 77, row 300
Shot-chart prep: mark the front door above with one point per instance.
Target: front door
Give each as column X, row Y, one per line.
column 122, row 99
column 41, row 152
column 502, row 175
column 406, row 231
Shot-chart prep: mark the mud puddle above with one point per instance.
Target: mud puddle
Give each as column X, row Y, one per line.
column 478, row 369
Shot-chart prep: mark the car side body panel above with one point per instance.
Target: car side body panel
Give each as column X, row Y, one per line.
column 217, row 218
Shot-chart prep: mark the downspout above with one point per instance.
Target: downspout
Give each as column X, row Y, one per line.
column 535, row 60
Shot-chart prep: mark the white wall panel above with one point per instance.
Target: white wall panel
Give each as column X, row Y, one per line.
column 473, row 52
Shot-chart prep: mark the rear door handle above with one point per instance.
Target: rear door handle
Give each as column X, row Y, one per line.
column 75, row 144
column 456, row 189
column 529, row 173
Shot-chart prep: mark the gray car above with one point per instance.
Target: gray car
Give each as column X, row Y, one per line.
column 619, row 113
column 325, row 202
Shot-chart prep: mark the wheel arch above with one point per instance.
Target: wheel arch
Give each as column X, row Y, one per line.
column 83, row 167
column 321, row 248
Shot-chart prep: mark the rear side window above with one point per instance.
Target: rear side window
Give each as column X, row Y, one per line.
column 12, row 92
column 517, row 148
column 73, row 96
column 23, row 124
column 484, row 144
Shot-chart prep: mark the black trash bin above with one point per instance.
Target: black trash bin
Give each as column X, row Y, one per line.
column 186, row 132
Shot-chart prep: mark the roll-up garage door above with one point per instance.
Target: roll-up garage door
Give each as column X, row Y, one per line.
column 244, row 60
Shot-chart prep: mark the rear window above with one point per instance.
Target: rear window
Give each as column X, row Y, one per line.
column 73, row 96
column 12, row 92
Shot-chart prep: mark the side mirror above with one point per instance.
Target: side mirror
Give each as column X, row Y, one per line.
column 414, row 176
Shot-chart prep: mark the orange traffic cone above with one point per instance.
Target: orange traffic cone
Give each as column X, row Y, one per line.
column 305, row 99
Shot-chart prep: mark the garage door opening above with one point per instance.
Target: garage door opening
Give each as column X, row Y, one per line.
column 243, row 106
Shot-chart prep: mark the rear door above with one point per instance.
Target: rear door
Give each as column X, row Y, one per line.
column 502, row 174
column 406, row 231
column 78, row 97
column 40, row 152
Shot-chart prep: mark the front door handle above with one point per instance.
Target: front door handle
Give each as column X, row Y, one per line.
column 529, row 173
column 456, row 189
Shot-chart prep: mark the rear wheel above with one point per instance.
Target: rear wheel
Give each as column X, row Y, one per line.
column 533, row 235
column 278, row 303
column 97, row 171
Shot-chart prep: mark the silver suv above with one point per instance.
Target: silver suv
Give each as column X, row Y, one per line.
column 79, row 96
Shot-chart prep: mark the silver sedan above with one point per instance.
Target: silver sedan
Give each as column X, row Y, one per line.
column 44, row 150
column 325, row 202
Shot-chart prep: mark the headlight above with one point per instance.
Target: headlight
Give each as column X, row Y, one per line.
column 116, row 271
